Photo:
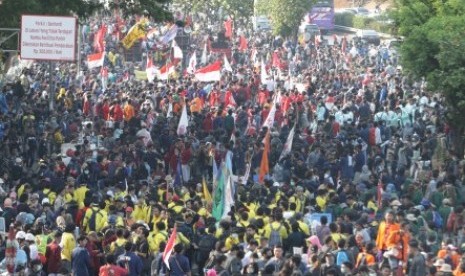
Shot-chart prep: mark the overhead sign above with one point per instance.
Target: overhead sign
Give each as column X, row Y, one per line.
column 48, row 37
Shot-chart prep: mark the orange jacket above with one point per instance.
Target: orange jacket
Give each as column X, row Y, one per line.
column 369, row 259
column 384, row 230
column 129, row 112
column 454, row 256
column 399, row 240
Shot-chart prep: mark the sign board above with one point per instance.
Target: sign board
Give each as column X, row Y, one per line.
column 48, row 37
column 315, row 219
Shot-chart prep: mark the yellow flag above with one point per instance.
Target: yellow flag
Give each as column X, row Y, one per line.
column 136, row 32
column 140, row 75
column 206, row 192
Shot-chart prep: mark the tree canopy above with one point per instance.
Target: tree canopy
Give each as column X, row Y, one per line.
column 434, row 43
column 286, row 15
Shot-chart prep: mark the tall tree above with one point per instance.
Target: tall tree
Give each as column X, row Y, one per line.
column 286, row 15
column 433, row 48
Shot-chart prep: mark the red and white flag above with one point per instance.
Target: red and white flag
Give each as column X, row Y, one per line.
column 95, row 60
column 269, row 122
column 209, row 73
column 165, row 71
column 183, row 122
column 192, row 64
column 169, row 248
column 150, row 69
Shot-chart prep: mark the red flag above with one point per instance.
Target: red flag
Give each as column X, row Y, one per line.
column 243, row 44
column 264, row 166
column 99, row 39
column 169, row 248
column 229, row 28
column 380, row 191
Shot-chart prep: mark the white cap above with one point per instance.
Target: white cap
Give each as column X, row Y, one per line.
column 45, row 200
column 30, row 237
column 21, row 235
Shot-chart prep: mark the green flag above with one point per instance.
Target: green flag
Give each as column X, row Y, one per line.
column 218, row 200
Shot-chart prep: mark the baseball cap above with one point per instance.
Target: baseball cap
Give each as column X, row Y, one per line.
column 21, row 235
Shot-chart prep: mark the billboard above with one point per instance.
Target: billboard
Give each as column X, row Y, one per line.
column 323, row 17
column 48, row 37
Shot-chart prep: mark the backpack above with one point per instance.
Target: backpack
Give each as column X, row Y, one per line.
column 275, row 236
column 437, row 220
column 92, row 220
column 341, row 257
column 206, row 244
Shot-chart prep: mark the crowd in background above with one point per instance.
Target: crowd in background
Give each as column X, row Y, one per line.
column 93, row 186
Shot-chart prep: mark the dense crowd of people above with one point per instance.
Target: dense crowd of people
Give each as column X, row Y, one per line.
column 97, row 185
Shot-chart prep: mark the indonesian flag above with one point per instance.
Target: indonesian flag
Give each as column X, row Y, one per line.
column 95, row 60
column 177, row 52
column 169, row 248
column 192, row 64
column 329, row 102
column 183, row 122
column 243, row 44
column 165, row 71
column 288, row 145
column 226, row 64
column 150, row 69
column 209, row 73
column 228, row 25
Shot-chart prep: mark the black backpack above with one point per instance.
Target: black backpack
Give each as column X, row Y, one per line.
column 92, row 220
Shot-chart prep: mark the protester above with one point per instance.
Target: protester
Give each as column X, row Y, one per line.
column 306, row 159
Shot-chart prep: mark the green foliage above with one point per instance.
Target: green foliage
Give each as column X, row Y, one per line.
column 157, row 10
column 379, row 24
column 344, row 19
column 286, row 15
column 433, row 48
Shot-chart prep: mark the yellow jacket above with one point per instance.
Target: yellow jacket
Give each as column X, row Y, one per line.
column 139, row 213
column 304, row 227
column 80, row 195
column 156, row 239
column 51, row 195
column 100, row 219
column 119, row 242
column 276, row 225
column 68, row 243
